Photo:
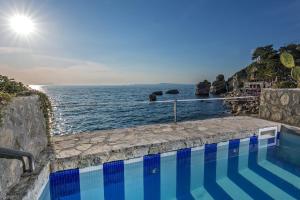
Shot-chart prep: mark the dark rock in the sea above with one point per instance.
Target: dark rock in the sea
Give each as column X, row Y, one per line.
column 158, row 93
column 219, row 85
column 152, row 97
column 220, row 77
column 175, row 91
column 202, row 88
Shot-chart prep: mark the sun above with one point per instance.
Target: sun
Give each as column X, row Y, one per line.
column 22, row 25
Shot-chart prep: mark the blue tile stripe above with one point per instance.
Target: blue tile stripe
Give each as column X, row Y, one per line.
column 233, row 148
column 274, row 158
column 152, row 177
column 253, row 142
column 271, row 140
column 183, row 174
column 272, row 178
column 233, row 170
column 210, row 167
column 113, row 175
column 65, row 185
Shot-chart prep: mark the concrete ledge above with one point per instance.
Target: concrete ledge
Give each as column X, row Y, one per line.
column 95, row 148
column 30, row 184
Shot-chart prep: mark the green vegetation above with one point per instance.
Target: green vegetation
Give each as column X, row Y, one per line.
column 9, row 88
column 287, row 59
column 5, row 97
column 274, row 65
column 285, row 84
column 296, row 73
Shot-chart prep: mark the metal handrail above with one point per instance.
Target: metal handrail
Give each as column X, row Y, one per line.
column 19, row 155
column 207, row 99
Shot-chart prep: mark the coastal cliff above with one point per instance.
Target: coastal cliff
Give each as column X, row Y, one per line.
column 23, row 127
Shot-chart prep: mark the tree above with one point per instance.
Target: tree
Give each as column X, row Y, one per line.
column 261, row 54
column 267, row 62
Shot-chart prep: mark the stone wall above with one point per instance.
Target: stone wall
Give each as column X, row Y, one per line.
column 280, row 105
column 23, row 128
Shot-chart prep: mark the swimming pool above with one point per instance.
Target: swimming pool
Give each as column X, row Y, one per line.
column 250, row 168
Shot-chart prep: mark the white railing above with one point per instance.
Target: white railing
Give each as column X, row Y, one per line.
column 207, row 99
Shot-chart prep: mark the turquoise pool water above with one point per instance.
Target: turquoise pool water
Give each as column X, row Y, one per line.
column 237, row 169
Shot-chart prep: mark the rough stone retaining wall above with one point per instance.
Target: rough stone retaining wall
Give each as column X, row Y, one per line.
column 23, row 128
column 280, row 105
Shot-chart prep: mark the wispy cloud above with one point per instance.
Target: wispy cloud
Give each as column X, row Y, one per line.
column 35, row 68
column 61, row 62
column 13, row 50
column 31, row 59
column 24, row 65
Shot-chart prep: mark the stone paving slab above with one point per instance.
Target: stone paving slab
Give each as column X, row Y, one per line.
column 95, row 148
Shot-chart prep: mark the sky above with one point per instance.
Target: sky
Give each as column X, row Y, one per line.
column 140, row 41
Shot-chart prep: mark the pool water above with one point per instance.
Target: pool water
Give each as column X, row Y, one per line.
column 238, row 169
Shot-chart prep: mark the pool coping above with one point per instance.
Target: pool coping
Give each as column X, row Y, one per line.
column 122, row 144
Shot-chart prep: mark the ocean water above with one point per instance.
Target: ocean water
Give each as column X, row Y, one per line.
column 89, row 108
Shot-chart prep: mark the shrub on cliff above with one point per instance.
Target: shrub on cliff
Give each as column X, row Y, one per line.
column 4, row 98
column 10, row 88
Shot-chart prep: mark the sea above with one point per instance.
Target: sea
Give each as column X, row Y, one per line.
column 79, row 109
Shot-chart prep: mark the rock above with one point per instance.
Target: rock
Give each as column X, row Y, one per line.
column 220, row 77
column 219, row 85
column 297, row 110
column 276, row 116
column 158, row 93
column 241, row 107
column 235, row 82
column 202, row 88
column 152, row 97
column 174, row 91
column 284, row 99
column 23, row 128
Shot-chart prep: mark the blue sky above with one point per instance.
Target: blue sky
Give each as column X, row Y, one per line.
column 139, row 41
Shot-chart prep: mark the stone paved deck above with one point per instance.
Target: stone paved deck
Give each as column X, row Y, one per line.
column 89, row 149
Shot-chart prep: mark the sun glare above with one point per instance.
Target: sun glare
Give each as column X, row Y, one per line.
column 22, row 25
